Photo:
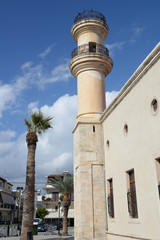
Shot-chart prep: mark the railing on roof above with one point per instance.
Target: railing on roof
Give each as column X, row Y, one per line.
column 90, row 48
column 89, row 14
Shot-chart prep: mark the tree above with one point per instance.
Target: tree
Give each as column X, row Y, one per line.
column 41, row 213
column 65, row 186
column 38, row 124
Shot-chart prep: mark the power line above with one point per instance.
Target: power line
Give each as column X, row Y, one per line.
column 25, row 182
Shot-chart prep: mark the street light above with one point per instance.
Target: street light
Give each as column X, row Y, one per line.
column 19, row 203
column 59, row 204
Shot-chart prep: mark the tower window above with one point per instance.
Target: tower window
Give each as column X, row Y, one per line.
column 110, row 199
column 154, row 106
column 94, row 129
column 92, row 47
column 107, row 143
column 131, row 195
column 125, row 129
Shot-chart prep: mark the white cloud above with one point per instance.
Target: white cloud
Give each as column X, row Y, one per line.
column 46, row 52
column 7, row 135
column 114, row 46
column 33, row 107
column 7, row 97
column 137, row 31
column 54, row 152
column 110, row 97
column 31, row 75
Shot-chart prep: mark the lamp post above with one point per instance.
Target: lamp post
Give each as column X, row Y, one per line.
column 19, row 203
column 59, row 204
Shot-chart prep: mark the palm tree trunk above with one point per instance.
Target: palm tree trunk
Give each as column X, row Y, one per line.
column 66, row 205
column 28, row 204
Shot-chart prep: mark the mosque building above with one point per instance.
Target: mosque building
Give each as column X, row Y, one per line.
column 116, row 149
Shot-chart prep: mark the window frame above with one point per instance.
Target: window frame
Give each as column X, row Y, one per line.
column 110, row 198
column 131, row 195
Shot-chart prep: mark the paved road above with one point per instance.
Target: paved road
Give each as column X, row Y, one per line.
column 44, row 236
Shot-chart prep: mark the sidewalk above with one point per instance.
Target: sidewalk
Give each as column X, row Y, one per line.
column 44, row 236
column 41, row 237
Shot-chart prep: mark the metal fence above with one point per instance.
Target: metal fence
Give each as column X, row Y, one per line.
column 90, row 48
column 9, row 230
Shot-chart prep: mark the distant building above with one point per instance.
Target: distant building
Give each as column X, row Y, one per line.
column 51, row 200
column 18, row 196
column 7, row 201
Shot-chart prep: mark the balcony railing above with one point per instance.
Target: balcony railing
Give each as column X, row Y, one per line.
column 5, row 206
column 110, row 205
column 90, row 48
column 89, row 14
column 132, row 204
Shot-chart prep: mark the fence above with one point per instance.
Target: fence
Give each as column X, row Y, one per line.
column 9, row 230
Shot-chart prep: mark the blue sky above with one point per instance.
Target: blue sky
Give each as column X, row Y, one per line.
column 35, row 49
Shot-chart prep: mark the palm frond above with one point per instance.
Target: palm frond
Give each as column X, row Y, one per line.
column 65, row 185
column 28, row 124
column 39, row 123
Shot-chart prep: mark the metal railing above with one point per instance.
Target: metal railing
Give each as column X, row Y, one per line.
column 87, row 48
column 110, row 205
column 132, row 204
column 89, row 14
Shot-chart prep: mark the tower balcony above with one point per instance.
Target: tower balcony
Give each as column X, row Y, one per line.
column 90, row 48
column 89, row 14
column 90, row 56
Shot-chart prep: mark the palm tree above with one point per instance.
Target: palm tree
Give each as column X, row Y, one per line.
column 38, row 124
column 65, row 186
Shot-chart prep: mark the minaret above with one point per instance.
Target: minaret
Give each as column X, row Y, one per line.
column 90, row 64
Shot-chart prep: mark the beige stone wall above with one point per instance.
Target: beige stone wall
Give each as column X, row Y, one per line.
column 90, row 218
column 137, row 150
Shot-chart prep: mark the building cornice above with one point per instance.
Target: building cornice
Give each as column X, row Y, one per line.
column 91, row 61
column 149, row 61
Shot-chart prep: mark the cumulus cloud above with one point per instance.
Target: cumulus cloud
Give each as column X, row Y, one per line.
column 110, row 97
column 33, row 107
column 31, row 75
column 54, row 153
column 7, row 97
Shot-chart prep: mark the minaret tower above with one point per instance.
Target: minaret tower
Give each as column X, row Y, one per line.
column 90, row 64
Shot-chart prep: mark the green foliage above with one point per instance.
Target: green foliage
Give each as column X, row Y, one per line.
column 43, row 198
column 41, row 212
column 48, row 199
column 61, row 197
column 38, row 123
column 65, row 185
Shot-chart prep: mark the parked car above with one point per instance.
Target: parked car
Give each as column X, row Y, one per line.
column 36, row 221
column 42, row 227
column 56, row 225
